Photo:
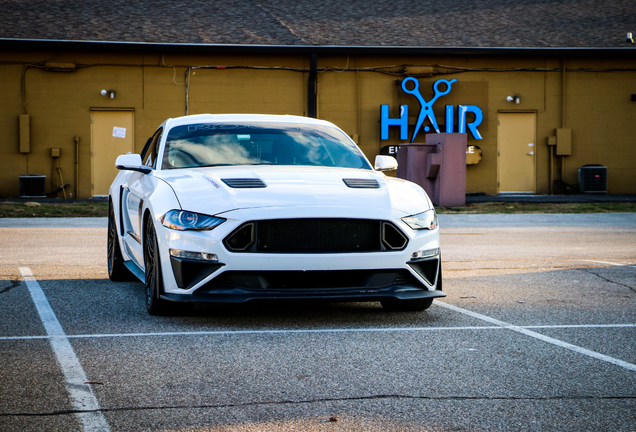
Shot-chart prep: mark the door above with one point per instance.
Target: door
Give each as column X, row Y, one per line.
column 111, row 136
column 516, row 142
column 135, row 190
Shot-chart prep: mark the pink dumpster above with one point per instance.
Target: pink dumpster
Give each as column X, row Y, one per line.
column 438, row 165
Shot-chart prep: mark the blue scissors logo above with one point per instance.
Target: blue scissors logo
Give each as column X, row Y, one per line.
column 427, row 107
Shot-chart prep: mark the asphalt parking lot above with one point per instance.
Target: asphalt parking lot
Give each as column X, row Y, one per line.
column 537, row 334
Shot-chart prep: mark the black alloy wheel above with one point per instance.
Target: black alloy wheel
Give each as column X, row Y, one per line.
column 154, row 282
column 117, row 270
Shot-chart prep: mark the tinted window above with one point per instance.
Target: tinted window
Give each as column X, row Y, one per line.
column 260, row 144
column 149, row 154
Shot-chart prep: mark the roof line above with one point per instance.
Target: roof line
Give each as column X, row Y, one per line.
column 155, row 46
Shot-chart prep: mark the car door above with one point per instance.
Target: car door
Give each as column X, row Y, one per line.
column 135, row 191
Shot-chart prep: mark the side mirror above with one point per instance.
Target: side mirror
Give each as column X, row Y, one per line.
column 131, row 162
column 385, row 163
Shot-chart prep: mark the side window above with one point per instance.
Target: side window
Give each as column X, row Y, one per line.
column 149, row 155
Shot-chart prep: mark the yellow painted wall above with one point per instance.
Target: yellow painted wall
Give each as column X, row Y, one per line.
column 598, row 106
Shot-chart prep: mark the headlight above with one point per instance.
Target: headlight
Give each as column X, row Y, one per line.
column 426, row 220
column 184, row 220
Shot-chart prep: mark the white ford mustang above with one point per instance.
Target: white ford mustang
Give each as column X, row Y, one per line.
column 231, row 208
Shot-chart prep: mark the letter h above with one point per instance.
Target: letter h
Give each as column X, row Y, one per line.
column 402, row 122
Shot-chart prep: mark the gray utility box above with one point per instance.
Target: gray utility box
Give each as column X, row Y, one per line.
column 438, row 165
column 32, row 186
column 593, row 179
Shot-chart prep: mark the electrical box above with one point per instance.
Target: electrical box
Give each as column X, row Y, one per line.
column 563, row 142
column 55, row 153
column 25, row 133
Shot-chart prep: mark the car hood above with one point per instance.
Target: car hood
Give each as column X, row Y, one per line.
column 203, row 190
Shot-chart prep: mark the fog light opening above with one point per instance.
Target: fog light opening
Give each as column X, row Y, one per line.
column 425, row 253
column 199, row 256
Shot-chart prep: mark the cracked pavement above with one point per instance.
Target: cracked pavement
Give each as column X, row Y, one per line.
column 335, row 366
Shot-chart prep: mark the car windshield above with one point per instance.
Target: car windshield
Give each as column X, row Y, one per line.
column 200, row 145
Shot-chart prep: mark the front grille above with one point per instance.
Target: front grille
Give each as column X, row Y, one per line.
column 307, row 280
column 315, row 236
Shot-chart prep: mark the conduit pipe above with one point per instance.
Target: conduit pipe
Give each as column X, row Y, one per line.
column 311, row 86
column 77, row 140
column 563, row 123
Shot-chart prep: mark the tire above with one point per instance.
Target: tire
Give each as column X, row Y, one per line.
column 414, row 305
column 154, row 281
column 117, row 271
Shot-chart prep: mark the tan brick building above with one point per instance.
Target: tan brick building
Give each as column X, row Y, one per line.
column 567, row 66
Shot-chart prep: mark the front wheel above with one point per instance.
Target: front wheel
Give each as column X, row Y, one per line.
column 154, row 281
column 117, row 271
column 414, row 305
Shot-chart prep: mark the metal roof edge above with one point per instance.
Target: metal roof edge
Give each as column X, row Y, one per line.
column 305, row 49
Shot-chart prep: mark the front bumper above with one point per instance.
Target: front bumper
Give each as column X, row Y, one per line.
column 240, row 277
column 339, row 285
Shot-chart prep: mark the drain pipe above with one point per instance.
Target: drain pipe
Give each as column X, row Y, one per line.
column 311, row 87
column 187, row 90
column 77, row 140
column 563, row 123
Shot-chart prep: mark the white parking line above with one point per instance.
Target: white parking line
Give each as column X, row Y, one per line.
column 539, row 336
column 335, row 330
column 610, row 263
column 81, row 393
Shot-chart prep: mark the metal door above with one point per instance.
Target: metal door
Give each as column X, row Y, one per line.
column 111, row 135
column 516, row 142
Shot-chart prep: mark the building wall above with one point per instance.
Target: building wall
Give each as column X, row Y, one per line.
column 598, row 108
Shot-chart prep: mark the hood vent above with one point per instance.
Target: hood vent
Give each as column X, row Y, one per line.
column 244, row 183
column 362, row 183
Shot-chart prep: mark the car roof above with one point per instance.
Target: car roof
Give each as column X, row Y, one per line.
column 233, row 118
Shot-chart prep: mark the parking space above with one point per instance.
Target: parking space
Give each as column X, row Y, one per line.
column 537, row 333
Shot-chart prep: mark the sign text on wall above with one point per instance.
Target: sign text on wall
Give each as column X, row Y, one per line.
column 426, row 111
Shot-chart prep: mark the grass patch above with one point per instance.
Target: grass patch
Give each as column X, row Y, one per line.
column 512, row 208
column 32, row 209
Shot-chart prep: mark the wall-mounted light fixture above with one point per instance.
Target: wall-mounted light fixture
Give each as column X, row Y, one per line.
column 110, row 93
column 630, row 39
column 514, row 99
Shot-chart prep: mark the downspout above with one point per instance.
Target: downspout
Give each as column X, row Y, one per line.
column 187, row 90
column 77, row 140
column 561, row 174
column 311, row 87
